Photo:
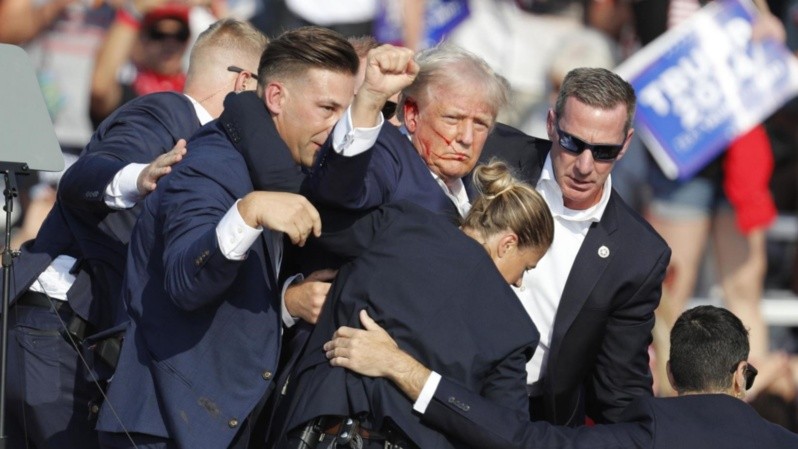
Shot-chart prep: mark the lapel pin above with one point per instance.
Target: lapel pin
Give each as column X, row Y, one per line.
column 604, row 252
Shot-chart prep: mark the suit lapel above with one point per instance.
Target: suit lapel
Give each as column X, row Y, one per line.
column 598, row 249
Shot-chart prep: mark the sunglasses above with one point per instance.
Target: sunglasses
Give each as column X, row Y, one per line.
column 575, row 145
column 749, row 372
column 236, row 69
column 181, row 35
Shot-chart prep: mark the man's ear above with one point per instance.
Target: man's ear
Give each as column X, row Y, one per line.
column 274, row 96
column 410, row 111
column 626, row 143
column 670, row 375
column 244, row 81
column 738, row 381
column 550, row 125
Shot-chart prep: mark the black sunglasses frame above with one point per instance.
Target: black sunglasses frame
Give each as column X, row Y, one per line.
column 182, row 36
column 749, row 372
column 236, row 69
column 575, row 145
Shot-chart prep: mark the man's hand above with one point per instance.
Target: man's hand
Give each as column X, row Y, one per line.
column 160, row 167
column 289, row 213
column 372, row 352
column 389, row 69
column 305, row 299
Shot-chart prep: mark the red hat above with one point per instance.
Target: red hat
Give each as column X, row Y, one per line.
column 173, row 11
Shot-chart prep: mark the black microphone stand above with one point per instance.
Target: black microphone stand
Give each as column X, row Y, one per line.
column 10, row 171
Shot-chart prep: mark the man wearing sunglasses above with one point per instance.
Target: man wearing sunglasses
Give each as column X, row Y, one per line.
column 708, row 367
column 143, row 53
column 592, row 296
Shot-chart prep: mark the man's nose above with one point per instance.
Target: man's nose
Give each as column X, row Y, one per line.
column 585, row 162
column 465, row 132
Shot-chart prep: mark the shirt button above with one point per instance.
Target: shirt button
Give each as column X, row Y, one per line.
column 233, row 423
column 267, row 375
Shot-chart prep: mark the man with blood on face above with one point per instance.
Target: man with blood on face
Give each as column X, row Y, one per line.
column 446, row 115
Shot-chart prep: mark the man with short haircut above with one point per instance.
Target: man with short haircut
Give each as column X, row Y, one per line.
column 71, row 274
column 708, row 367
column 593, row 295
column 200, row 354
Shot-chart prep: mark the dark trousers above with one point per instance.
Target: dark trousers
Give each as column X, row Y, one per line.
column 50, row 402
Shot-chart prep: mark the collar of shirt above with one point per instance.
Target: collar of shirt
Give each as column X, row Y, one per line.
column 551, row 192
column 456, row 192
column 202, row 114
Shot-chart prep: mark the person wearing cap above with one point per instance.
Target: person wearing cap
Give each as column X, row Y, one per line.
column 708, row 367
column 66, row 283
column 143, row 53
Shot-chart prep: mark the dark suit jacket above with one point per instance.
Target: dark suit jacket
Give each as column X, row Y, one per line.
column 599, row 350
column 392, row 170
column 204, row 339
column 82, row 226
column 688, row 422
column 437, row 292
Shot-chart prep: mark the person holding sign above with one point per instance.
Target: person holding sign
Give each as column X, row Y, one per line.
column 729, row 201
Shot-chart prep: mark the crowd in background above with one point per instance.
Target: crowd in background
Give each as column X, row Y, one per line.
column 91, row 58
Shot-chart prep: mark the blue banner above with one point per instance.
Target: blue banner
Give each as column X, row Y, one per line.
column 440, row 17
column 704, row 83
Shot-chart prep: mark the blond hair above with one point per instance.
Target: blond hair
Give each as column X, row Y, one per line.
column 506, row 203
column 226, row 42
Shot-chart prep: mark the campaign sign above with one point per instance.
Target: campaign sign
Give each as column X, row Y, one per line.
column 704, row 83
column 440, row 17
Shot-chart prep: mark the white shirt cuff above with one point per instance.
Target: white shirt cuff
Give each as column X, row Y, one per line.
column 234, row 235
column 348, row 141
column 288, row 320
column 430, row 386
column 122, row 192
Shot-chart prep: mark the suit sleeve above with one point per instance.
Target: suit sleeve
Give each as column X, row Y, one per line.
column 482, row 424
column 138, row 133
column 621, row 371
column 360, row 182
column 192, row 204
column 348, row 235
column 506, row 383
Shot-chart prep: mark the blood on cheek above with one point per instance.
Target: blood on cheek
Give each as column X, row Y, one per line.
column 427, row 144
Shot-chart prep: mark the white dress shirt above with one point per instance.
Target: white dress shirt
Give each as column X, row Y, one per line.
column 457, row 193
column 121, row 193
column 542, row 287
